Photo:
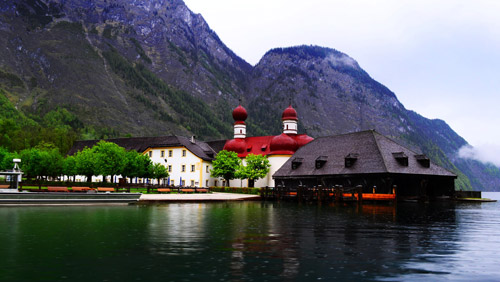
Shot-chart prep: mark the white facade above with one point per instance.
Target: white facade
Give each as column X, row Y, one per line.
column 290, row 126
column 276, row 161
column 240, row 130
column 184, row 167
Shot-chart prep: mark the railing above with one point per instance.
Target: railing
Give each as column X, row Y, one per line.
column 319, row 193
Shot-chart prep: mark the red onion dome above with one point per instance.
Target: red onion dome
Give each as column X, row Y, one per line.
column 303, row 139
column 289, row 113
column 283, row 144
column 237, row 145
column 239, row 114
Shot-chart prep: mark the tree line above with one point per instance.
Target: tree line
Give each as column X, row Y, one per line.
column 229, row 166
column 104, row 159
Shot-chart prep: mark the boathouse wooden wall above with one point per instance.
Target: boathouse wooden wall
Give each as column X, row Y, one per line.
column 408, row 186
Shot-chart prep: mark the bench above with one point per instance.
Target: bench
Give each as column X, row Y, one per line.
column 202, row 190
column 80, row 189
column 187, row 190
column 105, row 189
column 163, row 190
column 2, row 186
column 57, row 189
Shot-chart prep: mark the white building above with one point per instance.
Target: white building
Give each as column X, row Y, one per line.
column 278, row 149
column 189, row 161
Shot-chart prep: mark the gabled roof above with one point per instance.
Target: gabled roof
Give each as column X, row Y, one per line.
column 217, row 145
column 140, row 144
column 374, row 155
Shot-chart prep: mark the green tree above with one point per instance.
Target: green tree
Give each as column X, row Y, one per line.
column 6, row 158
column 51, row 163
column 69, row 167
column 136, row 165
column 3, row 155
column 31, row 162
column 110, row 158
column 256, row 167
column 159, row 171
column 225, row 165
column 86, row 163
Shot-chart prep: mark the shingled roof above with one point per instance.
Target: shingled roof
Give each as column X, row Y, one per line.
column 365, row 152
column 140, row 144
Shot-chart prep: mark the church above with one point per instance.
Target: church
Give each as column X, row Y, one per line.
column 278, row 149
column 364, row 158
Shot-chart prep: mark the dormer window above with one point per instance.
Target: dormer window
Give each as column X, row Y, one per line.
column 249, row 148
column 263, row 148
column 320, row 161
column 297, row 162
column 423, row 160
column 351, row 159
column 401, row 158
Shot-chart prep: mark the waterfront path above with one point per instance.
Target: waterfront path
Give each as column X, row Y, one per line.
column 198, row 197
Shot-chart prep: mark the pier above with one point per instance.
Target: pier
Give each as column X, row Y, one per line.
column 320, row 193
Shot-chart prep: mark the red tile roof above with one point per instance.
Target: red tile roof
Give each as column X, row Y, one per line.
column 261, row 145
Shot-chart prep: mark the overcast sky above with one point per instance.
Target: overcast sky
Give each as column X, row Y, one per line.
column 440, row 58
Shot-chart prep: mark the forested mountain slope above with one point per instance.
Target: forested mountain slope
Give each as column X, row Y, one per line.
column 75, row 69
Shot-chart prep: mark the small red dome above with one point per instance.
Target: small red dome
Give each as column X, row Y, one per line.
column 289, row 113
column 283, row 144
column 239, row 114
column 303, row 139
column 237, row 145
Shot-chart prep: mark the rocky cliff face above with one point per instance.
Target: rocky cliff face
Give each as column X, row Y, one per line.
column 97, row 58
column 152, row 67
column 323, row 83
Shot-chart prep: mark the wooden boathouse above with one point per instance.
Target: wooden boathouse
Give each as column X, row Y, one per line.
column 361, row 164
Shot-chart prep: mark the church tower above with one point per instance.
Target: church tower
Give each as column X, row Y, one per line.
column 240, row 128
column 289, row 118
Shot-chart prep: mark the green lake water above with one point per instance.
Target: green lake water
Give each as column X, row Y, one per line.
column 251, row 241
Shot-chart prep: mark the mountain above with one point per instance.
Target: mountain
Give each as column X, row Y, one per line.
column 110, row 68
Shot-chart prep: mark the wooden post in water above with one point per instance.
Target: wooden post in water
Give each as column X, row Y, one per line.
column 359, row 188
column 320, row 192
column 395, row 192
column 299, row 193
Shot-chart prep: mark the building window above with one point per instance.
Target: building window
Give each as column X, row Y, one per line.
column 183, row 183
column 192, row 183
column 169, row 168
column 150, row 154
column 162, row 154
column 183, row 168
column 183, row 153
column 208, row 169
column 192, row 168
column 170, row 152
column 206, row 183
column 172, row 182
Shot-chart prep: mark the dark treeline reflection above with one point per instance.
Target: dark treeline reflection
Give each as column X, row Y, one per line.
column 244, row 241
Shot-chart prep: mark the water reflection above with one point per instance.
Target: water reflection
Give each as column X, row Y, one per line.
column 250, row 241
column 301, row 242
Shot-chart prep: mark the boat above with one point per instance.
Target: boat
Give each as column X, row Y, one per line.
column 10, row 195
